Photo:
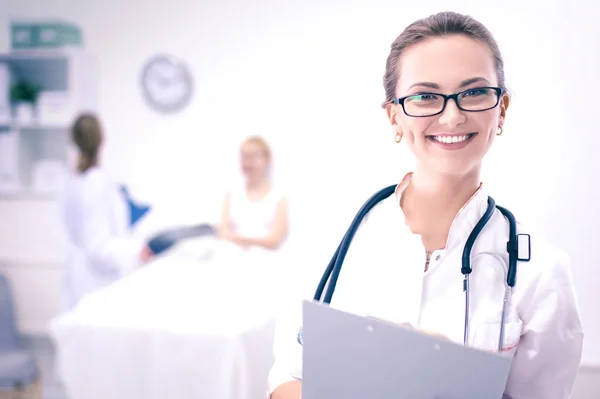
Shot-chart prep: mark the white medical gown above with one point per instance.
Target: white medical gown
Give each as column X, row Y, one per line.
column 100, row 247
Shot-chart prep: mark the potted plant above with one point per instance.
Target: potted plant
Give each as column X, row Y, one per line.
column 23, row 97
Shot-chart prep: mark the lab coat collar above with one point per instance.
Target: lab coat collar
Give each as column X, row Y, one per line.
column 467, row 217
column 465, row 220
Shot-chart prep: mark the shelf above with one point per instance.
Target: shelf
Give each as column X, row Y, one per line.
column 27, row 195
column 6, row 127
column 39, row 138
column 22, row 263
column 42, row 127
column 40, row 54
column 24, row 55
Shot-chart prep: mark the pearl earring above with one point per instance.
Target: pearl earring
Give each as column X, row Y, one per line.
column 499, row 131
column 398, row 137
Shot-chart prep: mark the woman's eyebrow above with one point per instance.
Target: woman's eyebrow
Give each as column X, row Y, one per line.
column 464, row 83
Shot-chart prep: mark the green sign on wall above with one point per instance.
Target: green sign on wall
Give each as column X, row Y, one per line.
column 45, row 35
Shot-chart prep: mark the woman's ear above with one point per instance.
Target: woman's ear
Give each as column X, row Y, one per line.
column 391, row 114
column 504, row 103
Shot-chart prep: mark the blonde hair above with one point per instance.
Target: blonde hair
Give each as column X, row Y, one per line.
column 260, row 142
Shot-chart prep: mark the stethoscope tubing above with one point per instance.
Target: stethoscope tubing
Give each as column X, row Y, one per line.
column 330, row 276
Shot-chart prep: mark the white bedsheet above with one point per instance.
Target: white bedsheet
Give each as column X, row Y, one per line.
column 178, row 328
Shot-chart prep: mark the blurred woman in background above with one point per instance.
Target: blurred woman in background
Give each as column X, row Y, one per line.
column 96, row 216
column 256, row 214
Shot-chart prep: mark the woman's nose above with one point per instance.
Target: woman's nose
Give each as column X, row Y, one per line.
column 452, row 115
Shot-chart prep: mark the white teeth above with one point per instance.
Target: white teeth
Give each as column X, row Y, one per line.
column 450, row 139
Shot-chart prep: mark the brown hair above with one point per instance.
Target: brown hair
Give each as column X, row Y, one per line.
column 262, row 143
column 87, row 136
column 438, row 25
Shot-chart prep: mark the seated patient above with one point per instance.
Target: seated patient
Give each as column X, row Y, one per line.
column 256, row 214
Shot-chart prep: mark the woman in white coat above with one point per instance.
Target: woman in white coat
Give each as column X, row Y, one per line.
column 96, row 216
column 404, row 264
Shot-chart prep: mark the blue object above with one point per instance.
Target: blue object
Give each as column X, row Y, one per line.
column 334, row 268
column 136, row 212
column 18, row 368
column 165, row 240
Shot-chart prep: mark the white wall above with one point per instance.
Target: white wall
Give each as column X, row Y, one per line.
column 307, row 74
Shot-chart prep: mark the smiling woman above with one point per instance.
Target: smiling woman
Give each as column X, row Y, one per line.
column 469, row 116
column 446, row 99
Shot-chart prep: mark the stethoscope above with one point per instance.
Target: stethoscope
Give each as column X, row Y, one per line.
column 334, row 267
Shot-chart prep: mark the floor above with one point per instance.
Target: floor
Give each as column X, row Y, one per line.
column 587, row 385
column 44, row 351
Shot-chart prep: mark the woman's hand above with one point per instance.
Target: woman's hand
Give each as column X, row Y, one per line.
column 236, row 239
column 432, row 333
column 241, row 241
column 146, row 254
column 423, row 331
column 288, row 390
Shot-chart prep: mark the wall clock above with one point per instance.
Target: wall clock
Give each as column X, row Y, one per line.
column 167, row 84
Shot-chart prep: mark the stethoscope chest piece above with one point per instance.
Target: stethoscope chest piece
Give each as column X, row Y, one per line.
column 299, row 337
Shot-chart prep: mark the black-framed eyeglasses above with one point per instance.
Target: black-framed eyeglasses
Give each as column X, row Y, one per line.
column 423, row 104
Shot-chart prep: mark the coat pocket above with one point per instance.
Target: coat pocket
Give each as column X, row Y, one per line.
column 487, row 336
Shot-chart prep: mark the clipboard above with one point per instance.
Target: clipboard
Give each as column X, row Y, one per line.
column 354, row 357
column 166, row 239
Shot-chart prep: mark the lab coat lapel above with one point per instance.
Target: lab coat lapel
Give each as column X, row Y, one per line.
column 443, row 302
column 384, row 267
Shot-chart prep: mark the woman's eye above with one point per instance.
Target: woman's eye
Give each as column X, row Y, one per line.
column 423, row 97
column 475, row 92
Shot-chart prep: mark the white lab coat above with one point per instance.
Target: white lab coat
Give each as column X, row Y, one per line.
column 100, row 247
column 383, row 277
